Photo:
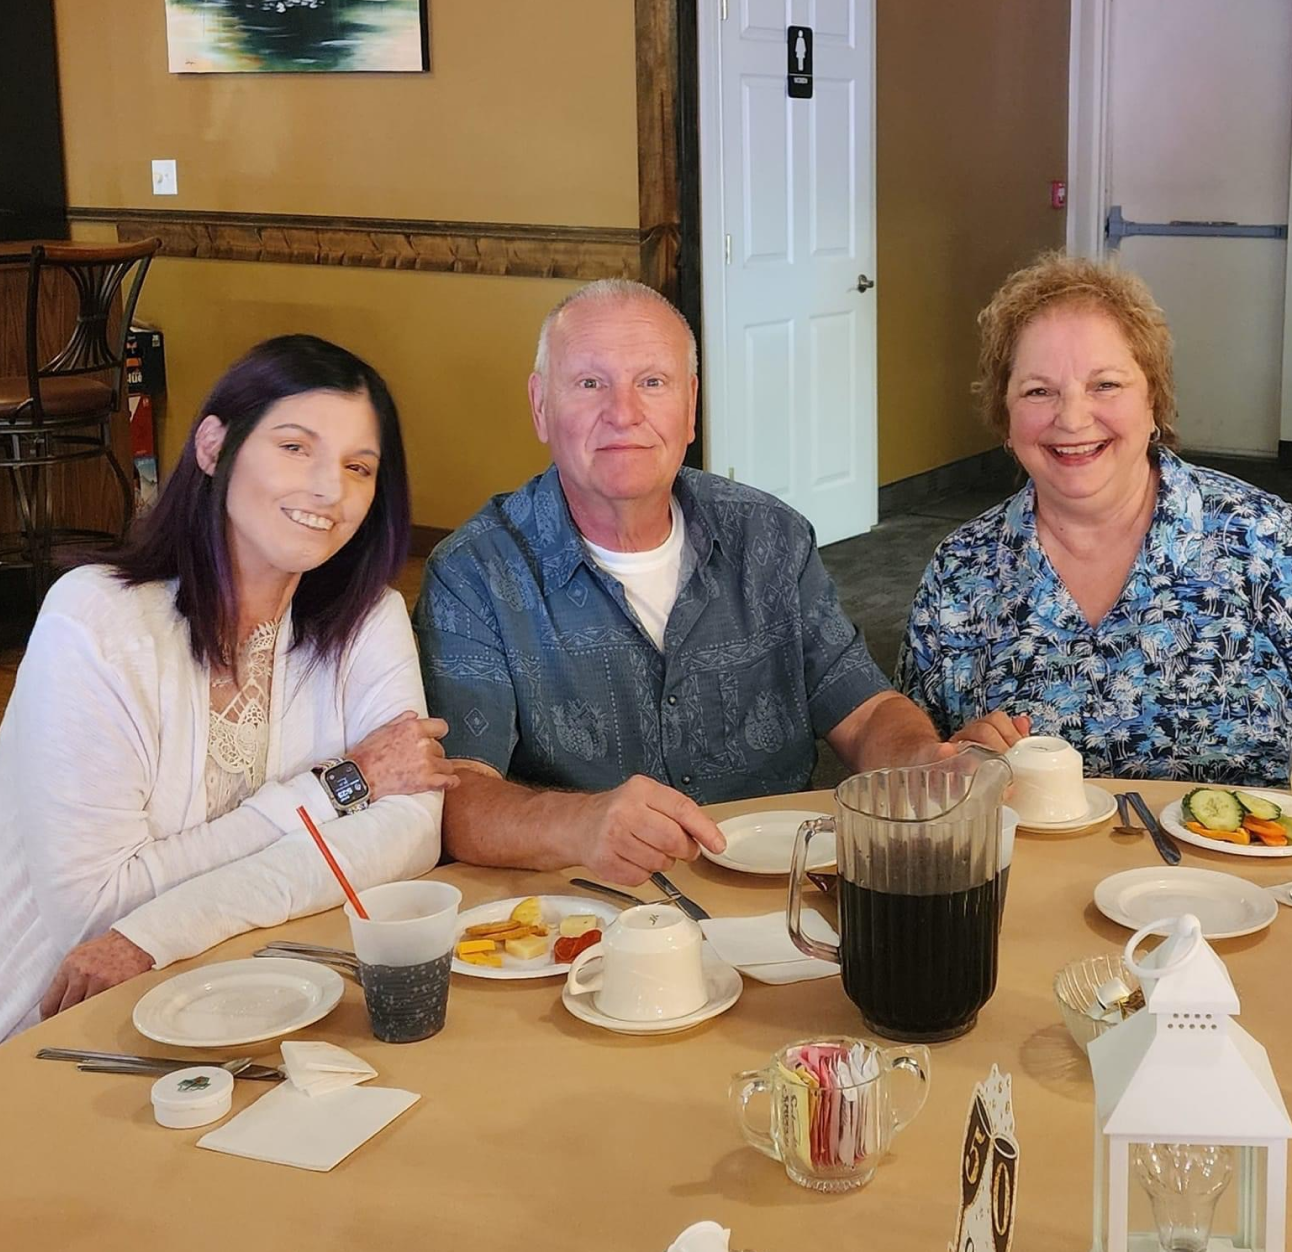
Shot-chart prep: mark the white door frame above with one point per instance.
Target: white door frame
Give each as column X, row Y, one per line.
column 1088, row 165
column 713, row 301
column 1088, row 126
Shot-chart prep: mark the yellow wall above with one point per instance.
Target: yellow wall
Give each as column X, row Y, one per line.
column 528, row 115
column 972, row 126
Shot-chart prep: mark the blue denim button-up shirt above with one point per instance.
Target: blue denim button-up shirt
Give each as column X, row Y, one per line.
column 533, row 655
column 1188, row 675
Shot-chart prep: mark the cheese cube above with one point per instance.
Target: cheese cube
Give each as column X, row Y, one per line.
column 528, row 948
column 467, row 946
column 578, row 924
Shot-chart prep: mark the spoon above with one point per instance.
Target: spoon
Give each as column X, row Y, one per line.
column 1123, row 815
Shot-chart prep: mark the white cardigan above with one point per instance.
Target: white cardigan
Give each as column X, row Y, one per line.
column 103, row 797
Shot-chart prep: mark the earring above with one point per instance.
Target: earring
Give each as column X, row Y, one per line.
column 1156, row 436
column 1009, row 445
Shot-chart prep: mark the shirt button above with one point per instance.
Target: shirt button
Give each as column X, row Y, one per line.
column 672, row 699
column 686, row 780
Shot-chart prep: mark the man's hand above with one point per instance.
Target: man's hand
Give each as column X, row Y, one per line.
column 92, row 967
column 997, row 731
column 405, row 757
column 642, row 826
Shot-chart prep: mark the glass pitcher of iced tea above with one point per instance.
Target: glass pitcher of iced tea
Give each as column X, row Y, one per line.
column 920, row 889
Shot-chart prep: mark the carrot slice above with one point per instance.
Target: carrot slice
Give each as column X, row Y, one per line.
column 1259, row 826
column 1225, row 836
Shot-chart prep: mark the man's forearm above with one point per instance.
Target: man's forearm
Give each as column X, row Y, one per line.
column 888, row 729
column 490, row 821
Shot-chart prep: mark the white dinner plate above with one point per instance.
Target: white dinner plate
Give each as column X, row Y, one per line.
column 554, row 908
column 1225, row 905
column 1100, row 806
column 722, row 981
column 1173, row 820
column 237, row 1002
column 763, row 843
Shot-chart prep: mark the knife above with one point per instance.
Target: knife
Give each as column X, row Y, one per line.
column 613, row 892
column 1161, row 840
column 685, row 903
column 128, row 1063
column 259, row 1073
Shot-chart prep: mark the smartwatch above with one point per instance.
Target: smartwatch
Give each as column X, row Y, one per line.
column 345, row 784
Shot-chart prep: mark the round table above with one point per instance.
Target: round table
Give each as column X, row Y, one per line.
column 539, row 1133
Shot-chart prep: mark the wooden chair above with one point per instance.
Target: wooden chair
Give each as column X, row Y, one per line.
column 56, row 413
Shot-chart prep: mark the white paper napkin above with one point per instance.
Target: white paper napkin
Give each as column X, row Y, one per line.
column 320, row 1068
column 288, row 1127
column 702, row 1237
column 762, row 948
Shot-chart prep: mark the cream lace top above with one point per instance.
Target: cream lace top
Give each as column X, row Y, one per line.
column 237, row 746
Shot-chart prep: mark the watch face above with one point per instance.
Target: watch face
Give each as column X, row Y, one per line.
column 346, row 783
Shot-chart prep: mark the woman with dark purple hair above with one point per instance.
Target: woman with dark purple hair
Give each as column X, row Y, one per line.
column 240, row 656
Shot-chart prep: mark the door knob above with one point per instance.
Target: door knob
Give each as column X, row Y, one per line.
column 863, row 283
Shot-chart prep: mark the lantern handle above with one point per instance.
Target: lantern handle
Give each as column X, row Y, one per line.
column 1173, row 924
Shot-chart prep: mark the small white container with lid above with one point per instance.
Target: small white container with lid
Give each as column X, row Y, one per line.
column 192, row 1097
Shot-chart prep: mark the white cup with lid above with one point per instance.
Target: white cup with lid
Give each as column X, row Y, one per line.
column 190, row 1097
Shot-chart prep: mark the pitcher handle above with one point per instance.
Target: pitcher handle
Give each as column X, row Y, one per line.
column 743, row 1089
column 914, row 1061
column 798, row 869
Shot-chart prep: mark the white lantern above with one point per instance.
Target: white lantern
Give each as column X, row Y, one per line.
column 1183, row 1096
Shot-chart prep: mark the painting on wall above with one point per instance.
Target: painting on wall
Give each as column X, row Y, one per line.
column 296, row 36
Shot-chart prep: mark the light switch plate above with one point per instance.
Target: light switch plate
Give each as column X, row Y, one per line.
column 165, row 179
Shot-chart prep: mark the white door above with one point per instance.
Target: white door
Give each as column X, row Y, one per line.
column 1199, row 129
column 788, row 229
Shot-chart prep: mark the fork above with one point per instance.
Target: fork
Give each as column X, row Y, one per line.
column 343, row 962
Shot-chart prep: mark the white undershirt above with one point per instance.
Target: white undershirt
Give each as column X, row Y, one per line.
column 650, row 579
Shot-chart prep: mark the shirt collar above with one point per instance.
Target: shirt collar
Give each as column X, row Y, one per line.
column 563, row 550
column 1172, row 539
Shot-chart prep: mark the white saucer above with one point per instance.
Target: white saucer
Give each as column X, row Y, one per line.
column 724, row 985
column 1173, row 820
column 1100, row 806
column 1225, row 905
column 237, row 1002
column 763, row 843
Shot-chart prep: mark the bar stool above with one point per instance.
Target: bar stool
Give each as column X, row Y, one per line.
column 55, row 414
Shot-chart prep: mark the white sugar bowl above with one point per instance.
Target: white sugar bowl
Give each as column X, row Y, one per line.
column 192, row 1097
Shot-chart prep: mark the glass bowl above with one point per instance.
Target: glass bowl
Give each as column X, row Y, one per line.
column 1074, row 988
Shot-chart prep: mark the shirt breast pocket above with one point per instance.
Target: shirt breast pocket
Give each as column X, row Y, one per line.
column 754, row 714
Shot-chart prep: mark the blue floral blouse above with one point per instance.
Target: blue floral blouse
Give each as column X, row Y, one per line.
column 1188, row 675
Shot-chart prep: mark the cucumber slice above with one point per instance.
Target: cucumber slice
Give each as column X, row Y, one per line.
column 1216, row 810
column 1257, row 807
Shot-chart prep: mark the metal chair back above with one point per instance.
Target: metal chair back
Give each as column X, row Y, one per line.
column 92, row 347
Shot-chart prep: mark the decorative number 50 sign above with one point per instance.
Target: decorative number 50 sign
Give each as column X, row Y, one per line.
column 988, row 1170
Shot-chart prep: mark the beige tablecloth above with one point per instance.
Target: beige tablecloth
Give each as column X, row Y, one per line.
column 539, row 1133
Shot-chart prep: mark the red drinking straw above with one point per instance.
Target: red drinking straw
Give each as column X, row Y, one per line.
column 331, row 860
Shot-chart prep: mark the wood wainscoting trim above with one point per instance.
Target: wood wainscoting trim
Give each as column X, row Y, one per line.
column 498, row 248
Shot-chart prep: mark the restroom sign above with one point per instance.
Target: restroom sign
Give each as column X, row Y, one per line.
column 798, row 44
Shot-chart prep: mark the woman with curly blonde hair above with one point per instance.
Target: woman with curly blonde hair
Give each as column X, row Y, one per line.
column 1136, row 605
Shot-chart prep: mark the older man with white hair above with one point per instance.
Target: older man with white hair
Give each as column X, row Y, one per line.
column 623, row 639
